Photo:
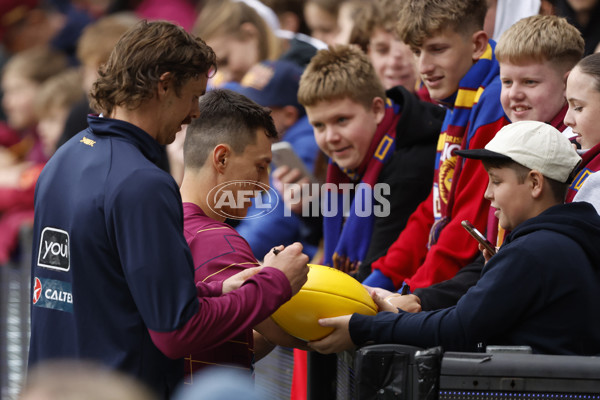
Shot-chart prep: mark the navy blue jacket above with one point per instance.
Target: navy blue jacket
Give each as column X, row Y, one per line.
column 96, row 190
column 113, row 277
column 542, row 289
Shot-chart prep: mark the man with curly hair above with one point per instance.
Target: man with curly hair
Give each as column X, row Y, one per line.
column 113, row 277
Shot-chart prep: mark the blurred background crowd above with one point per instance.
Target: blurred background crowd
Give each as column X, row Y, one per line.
column 51, row 50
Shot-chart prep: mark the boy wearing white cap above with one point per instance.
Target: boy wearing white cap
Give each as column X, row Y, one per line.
column 542, row 288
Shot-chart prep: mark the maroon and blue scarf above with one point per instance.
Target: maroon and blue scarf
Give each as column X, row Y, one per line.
column 454, row 135
column 347, row 239
column 590, row 163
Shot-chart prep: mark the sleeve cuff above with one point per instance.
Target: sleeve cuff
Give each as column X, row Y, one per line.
column 359, row 328
column 378, row 279
column 209, row 289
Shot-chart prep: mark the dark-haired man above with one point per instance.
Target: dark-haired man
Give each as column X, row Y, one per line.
column 112, row 273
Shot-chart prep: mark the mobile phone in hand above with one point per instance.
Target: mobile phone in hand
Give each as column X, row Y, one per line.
column 479, row 236
column 283, row 154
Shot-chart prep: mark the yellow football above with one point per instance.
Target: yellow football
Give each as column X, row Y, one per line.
column 328, row 292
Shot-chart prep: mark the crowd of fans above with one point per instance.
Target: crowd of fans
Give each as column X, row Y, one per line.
column 282, row 54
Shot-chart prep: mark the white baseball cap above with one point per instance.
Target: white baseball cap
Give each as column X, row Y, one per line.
column 533, row 144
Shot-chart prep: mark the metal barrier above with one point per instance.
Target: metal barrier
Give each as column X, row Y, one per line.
column 273, row 374
column 15, row 280
column 371, row 372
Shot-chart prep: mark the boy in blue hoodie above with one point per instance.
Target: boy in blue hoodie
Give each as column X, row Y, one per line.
column 548, row 263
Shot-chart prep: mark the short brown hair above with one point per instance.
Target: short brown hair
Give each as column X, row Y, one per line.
column 381, row 14
column 541, row 38
column 225, row 117
column 558, row 189
column 225, row 17
column 590, row 65
column 61, row 90
column 37, row 64
column 141, row 56
column 422, row 19
column 99, row 38
column 296, row 7
column 330, row 6
column 337, row 73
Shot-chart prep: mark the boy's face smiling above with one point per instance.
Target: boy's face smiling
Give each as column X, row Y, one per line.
column 392, row 60
column 344, row 128
column 511, row 199
column 532, row 90
column 584, row 108
column 445, row 58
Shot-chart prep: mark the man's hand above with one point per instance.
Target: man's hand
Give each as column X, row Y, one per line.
column 382, row 302
column 407, row 302
column 381, row 292
column 336, row 341
column 237, row 280
column 292, row 262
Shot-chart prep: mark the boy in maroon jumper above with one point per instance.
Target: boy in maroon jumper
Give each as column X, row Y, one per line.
column 230, row 143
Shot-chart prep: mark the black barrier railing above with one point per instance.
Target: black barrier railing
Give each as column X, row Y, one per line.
column 380, row 372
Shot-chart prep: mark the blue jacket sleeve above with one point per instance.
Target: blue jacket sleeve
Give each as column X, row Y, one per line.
column 181, row 317
column 146, row 220
column 508, row 290
column 378, row 279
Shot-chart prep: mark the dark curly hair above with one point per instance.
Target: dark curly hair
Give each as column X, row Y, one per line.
column 141, row 56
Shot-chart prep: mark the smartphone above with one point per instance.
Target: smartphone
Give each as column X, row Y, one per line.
column 479, row 236
column 283, row 154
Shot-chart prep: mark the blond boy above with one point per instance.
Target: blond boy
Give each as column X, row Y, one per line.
column 372, row 137
column 535, row 57
column 382, row 145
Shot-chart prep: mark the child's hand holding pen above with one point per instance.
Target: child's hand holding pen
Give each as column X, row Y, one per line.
column 393, row 302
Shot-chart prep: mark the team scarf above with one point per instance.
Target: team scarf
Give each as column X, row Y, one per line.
column 454, row 129
column 590, row 163
column 348, row 234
